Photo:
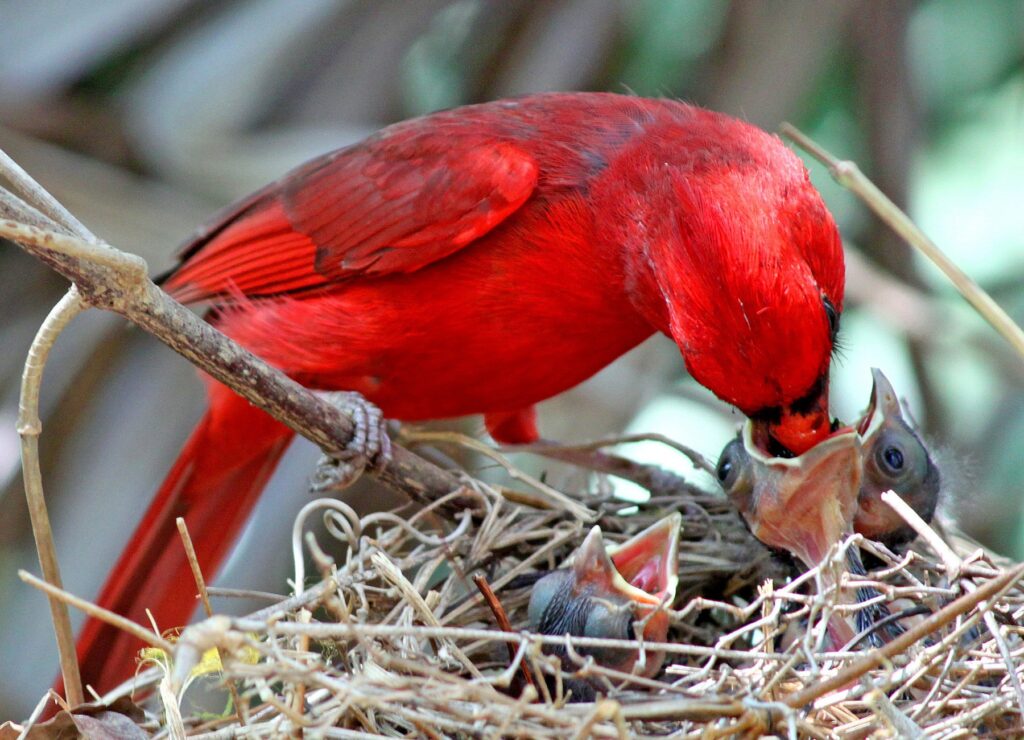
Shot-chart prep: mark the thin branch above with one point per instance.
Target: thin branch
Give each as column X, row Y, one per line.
column 503, row 624
column 898, row 723
column 393, row 575
column 326, row 631
column 992, row 589
column 115, row 281
column 132, row 266
column 29, row 428
column 953, row 562
column 556, row 499
column 115, row 620
column 39, row 197
column 555, row 450
column 243, row 593
column 847, row 174
column 204, row 597
column 954, row 566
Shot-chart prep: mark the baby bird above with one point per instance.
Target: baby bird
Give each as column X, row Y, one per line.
column 619, row 593
column 895, row 459
column 805, row 504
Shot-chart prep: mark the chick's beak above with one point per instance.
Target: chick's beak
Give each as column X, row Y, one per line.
column 800, row 426
column 649, row 561
column 883, row 408
column 804, row 504
column 644, row 569
column 885, row 431
column 608, row 593
column 591, row 564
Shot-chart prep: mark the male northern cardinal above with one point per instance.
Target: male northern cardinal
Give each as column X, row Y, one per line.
column 482, row 259
column 607, row 594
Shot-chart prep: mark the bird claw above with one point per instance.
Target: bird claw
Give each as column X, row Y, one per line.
column 369, row 448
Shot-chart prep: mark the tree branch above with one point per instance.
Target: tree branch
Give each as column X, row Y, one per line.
column 107, row 278
column 116, row 281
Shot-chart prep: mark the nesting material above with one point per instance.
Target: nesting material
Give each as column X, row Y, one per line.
column 394, row 638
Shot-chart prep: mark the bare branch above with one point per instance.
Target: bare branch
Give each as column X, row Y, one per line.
column 115, row 281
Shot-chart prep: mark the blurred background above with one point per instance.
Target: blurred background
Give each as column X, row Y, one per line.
column 144, row 116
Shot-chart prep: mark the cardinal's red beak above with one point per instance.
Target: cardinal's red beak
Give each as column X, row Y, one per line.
column 800, row 426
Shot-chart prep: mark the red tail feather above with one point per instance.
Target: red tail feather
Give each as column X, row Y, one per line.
column 214, row 484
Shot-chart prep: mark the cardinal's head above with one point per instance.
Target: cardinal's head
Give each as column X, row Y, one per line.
column 751, row 270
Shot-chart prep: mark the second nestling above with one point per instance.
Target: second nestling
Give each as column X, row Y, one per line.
column 621, row 593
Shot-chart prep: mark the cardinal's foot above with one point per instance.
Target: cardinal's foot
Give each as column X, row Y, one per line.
column 370, row 446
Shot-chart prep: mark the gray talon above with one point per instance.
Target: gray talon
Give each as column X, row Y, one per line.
column 370, row 445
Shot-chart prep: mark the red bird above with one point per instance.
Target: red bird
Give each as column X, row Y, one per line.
column 482, row 259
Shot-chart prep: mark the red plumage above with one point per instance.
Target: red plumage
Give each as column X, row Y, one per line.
column 480, row 260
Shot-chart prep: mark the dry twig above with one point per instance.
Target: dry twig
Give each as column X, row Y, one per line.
column 848, row 174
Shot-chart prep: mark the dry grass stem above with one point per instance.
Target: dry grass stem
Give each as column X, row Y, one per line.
column 92, row 610
column 848, row 174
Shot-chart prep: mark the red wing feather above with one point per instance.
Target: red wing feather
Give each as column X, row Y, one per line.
column 392, row 204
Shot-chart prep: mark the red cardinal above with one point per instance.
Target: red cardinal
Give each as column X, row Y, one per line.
column 480, row 260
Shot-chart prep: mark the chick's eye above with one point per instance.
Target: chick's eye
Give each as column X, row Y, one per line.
column 730, row 463
column 725, row 467
column 893, row 458
column 832, row 315
column 899, row 459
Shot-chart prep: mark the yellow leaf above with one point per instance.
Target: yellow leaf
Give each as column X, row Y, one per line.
column 210, row 662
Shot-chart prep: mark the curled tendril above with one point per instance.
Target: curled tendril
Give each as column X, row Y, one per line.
column 428, row 540
column 343, row 523
column 343, row 517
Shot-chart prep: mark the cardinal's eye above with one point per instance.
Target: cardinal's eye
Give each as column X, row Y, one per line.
column 833, row 317
column 724, row 468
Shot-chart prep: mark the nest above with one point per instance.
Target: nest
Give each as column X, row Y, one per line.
column 395, row 637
